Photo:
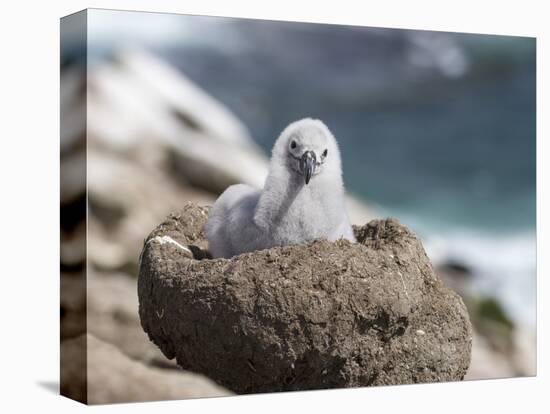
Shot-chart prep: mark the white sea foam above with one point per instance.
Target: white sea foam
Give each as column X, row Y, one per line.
column 503, row 265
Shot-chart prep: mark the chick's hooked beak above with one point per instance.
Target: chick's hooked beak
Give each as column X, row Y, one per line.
column 307, row 165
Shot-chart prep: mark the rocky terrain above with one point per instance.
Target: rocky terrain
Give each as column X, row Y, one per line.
column 114, row 377
column 152, row 138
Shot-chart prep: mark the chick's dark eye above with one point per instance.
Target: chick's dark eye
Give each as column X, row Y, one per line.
column 293, row 144
column 325, row 152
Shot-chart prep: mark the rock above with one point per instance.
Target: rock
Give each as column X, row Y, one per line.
column 524, row 358
column 106, row 305
column 73, row 246
column 72, row 100
column 73, row 134
column 500, row 347
column 490, row 362
column 168, row 154
column 315, row 316
column 113, row 317
column 456, row 268
column 72, row 304
column 169, row 110
column 498, row 355
column 126, row 200
column 73, row 177
column 486, row 362
column 112, row 377
column 72, row 375
column 456, row 275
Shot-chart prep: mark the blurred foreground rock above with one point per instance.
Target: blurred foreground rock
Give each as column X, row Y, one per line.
column 315, row 316
column 112, row 377
column 113, row 317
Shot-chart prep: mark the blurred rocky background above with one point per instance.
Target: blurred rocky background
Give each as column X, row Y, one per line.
column 176, row 108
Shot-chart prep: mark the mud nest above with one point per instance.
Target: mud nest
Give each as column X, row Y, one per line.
column 314, row 316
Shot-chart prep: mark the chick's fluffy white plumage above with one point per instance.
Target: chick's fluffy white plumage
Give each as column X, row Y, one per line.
column 302, row 199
